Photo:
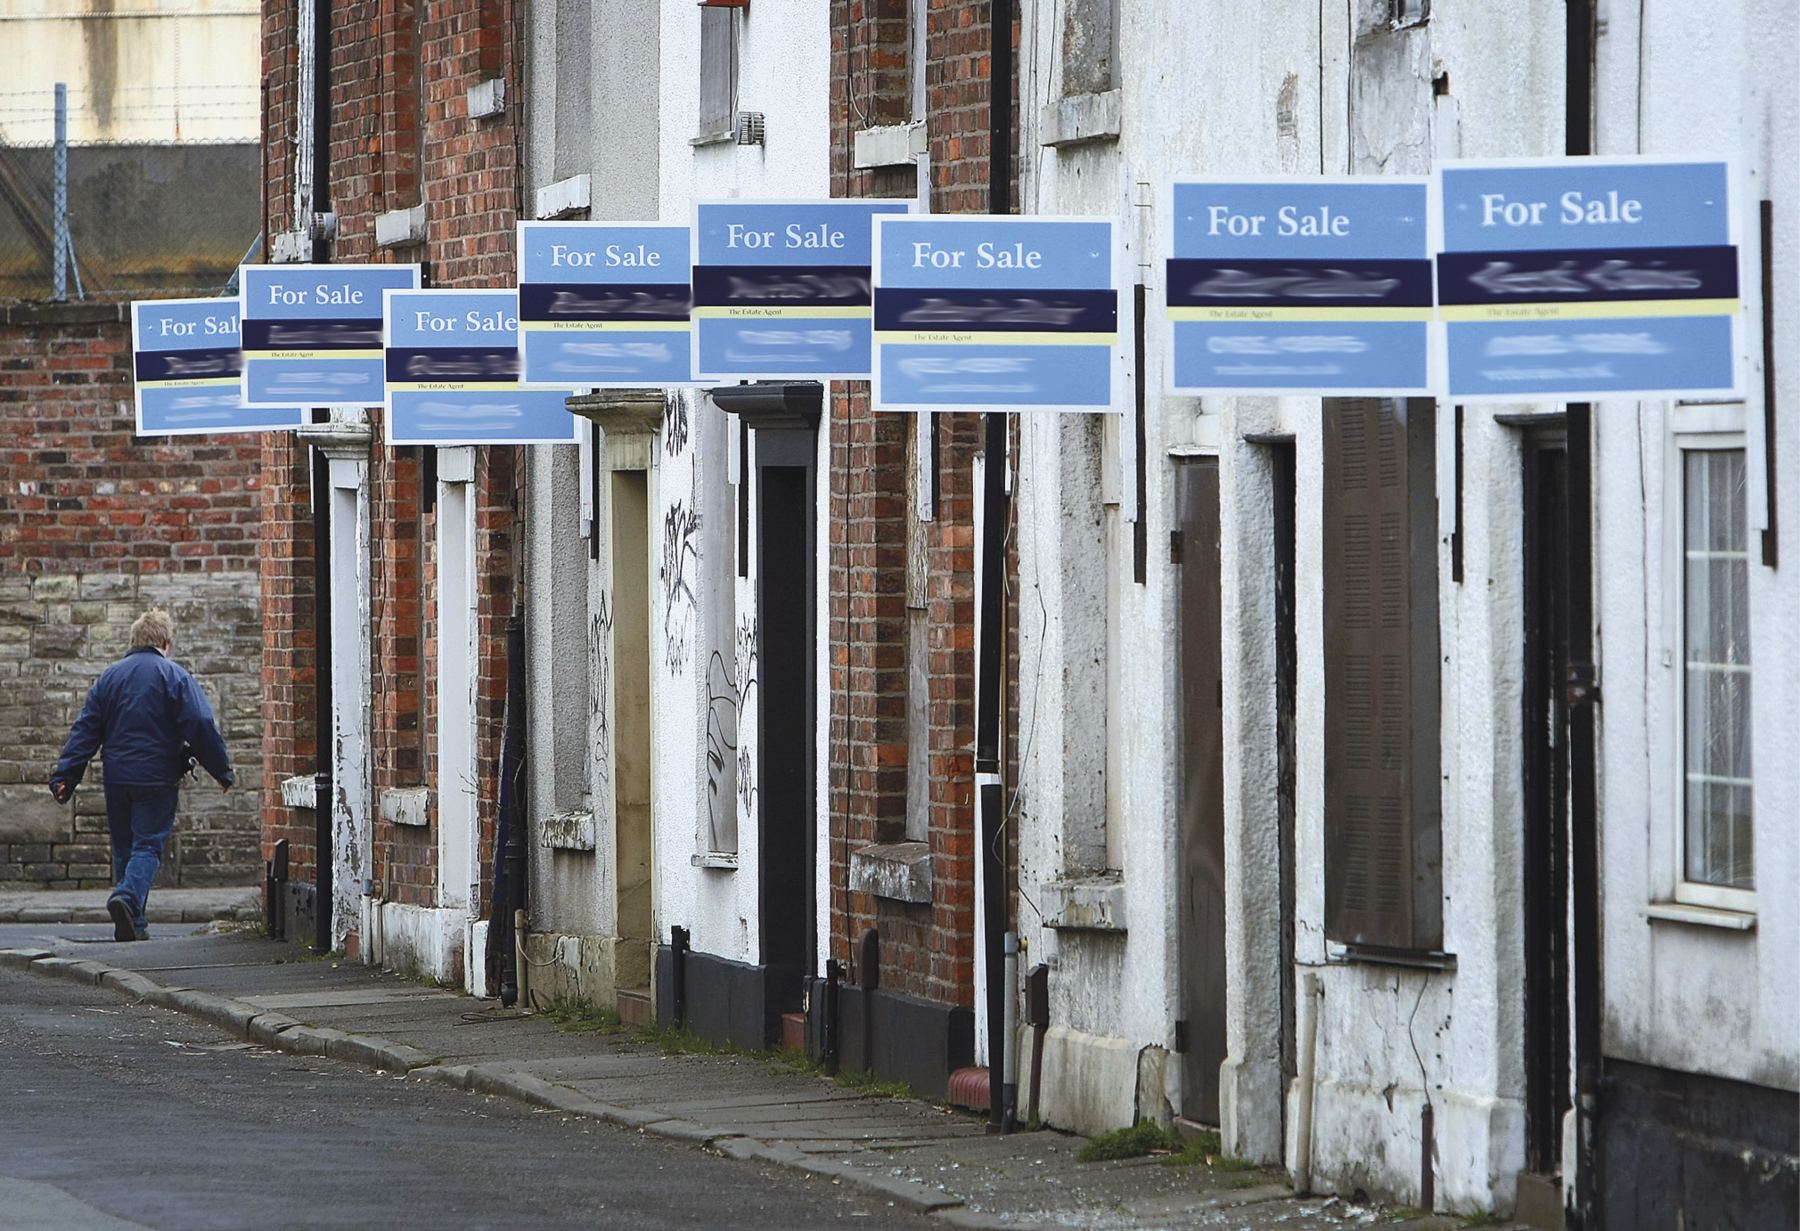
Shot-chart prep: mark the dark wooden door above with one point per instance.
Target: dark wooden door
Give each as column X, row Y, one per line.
column 1545, row 771
column 785, row 644
column 1202, row 886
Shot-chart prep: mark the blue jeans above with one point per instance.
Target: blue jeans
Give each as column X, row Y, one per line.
column 141, row 819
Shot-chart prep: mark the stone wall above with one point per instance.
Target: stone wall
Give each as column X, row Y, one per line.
column 96, row 525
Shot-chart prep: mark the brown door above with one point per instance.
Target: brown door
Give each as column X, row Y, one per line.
column 1202, row 887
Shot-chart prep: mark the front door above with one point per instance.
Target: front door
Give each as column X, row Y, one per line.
column 1546, row 782
column 1202, row 873
column 785, row 645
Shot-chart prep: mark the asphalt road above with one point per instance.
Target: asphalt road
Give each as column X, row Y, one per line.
column 115, row 1116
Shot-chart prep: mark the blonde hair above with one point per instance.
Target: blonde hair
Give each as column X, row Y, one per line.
column 154, row 629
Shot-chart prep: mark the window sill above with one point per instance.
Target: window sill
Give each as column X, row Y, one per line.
column 1703, row 916
column 1080, row 118
column 728, row 137
column 898, row 871
column 1087, row 904
column 723, row 861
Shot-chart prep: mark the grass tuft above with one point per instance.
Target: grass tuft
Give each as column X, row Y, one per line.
column 578, row 1013
column 870, row 1086
column 1144, row 1137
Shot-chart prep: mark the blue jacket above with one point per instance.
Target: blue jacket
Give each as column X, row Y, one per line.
column 144, row 709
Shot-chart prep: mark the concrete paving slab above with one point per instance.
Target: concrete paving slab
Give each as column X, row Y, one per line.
column 323, row 999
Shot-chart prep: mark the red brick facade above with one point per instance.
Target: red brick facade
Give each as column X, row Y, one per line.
column 400, row 136
column 927, row 949
column 97, row 524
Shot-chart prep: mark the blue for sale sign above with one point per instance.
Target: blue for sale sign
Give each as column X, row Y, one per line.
column 187, row 367
column 453, row 373
column 782, row 288
column 312, row 333
column 605, row 304
column 1003, row 313
column 1313, row 286
column 1583, row 277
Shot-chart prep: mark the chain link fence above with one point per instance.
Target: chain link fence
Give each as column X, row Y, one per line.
column 150, row 214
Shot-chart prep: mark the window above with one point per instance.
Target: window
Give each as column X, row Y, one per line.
column 1717, row 853
column 718, row 71
column 1382, row 804
column 1089, row 35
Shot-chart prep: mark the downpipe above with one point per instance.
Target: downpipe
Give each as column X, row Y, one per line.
column 1009, row 1088
column 1303, row 1114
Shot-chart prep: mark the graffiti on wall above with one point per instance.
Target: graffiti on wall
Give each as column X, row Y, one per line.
column 680, row 549
column 675, row 424
column 730, row 775
column 599, row 724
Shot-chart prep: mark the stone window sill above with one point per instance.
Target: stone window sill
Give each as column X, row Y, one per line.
column 1079, row 118
column 1703, row 916
column 1087, row 904
column 898, row 871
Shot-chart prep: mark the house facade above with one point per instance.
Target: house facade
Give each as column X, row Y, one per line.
column 389, row 573
column 1393, row 783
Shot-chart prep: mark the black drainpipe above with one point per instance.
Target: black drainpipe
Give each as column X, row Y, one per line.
column 321, row 489
column 509, row 878
column 990, row 620
column 322, row 725
column 1583, row 695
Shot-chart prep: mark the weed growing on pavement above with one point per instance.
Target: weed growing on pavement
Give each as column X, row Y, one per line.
column 870, row 1086
column 1479, row 1218
column 578, row 1013
column 1203, row 1147
column 785, row 1060
column 306, row 953
column 681, row 1041
column 1144, row 1137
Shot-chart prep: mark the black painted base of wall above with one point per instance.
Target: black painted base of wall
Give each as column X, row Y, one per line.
column 902, row 1038
column 298, row 904
column 727, row 1001
column 1683, row 1150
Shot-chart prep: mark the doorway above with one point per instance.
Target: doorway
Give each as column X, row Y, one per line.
column 1545, row 773
column 1202, row 887
column 629, row 499
column 785, row 640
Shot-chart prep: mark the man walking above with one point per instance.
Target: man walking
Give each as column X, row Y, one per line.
column 151, row 717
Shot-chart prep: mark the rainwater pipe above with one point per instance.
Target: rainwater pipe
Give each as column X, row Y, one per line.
column 1009, row 1087
column 1310, row 992
column 990, row 633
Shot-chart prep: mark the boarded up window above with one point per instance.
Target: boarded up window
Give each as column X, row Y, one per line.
column 718, row 71
column 1382, row 862
column 1089, row 32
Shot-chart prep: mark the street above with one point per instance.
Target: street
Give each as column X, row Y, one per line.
column 120, row 1115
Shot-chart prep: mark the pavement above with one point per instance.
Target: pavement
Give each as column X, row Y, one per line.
column 166, row 905
column 910, row 1153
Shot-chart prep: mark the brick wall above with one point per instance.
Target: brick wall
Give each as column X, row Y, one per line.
column 98, row 524
column 926, row 949
column 400, row 136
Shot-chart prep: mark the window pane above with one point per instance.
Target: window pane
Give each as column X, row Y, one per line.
column 1716, row 662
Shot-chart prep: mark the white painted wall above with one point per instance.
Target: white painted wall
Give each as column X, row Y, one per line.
column 1681, row 996
column 784, row 73
column 1301, row 89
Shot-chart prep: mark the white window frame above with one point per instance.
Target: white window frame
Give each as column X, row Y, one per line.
column 1703, row 427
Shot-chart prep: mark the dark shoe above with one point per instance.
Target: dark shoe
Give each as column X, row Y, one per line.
column 142, row 933
column 124, row 926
